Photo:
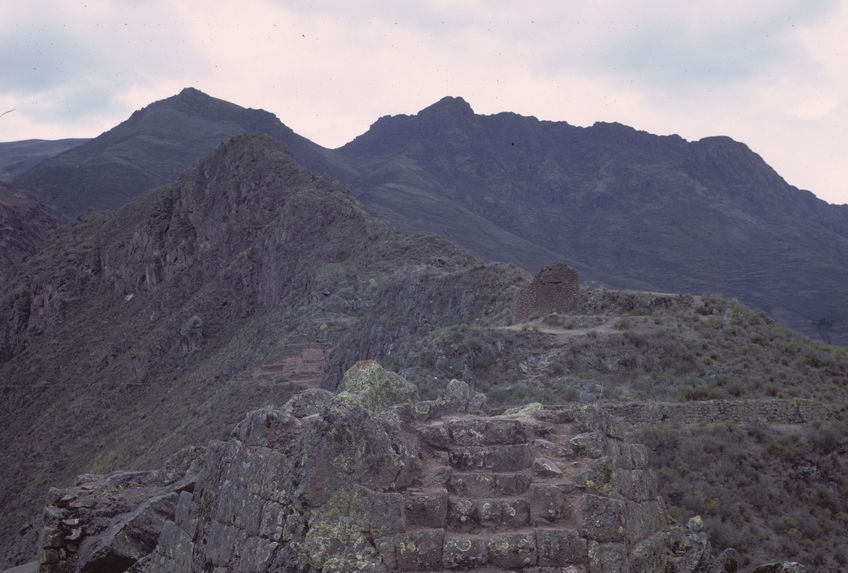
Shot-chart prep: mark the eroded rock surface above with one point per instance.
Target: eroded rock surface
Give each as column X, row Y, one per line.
column 367, row 480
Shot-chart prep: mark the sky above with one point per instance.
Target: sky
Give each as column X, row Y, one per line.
column 770, row 73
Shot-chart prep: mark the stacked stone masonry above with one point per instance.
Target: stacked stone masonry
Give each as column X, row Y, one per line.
column 325, row 484
column 555, row 288
column 761, row 411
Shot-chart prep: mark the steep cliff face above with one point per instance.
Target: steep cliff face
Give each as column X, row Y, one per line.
column 25, row 225
column 136, row 333
column 365, row 480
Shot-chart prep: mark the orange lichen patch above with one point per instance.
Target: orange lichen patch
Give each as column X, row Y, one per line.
column 361, row 363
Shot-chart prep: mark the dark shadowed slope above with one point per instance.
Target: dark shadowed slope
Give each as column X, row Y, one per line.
column 152, row 148
column 25, row 224
column 639, row 210
column 19, row 156
column 624, row 207
column 140, row 331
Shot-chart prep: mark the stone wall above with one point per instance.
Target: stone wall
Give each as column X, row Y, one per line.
column 358, row 482
column 554, row 289
column 763, row 411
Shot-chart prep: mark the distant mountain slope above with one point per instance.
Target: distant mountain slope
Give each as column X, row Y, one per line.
column 19, row 156
column 639, row 210
column 137, row 332
column 626, row 208
column 152, row 148
column 25, row 224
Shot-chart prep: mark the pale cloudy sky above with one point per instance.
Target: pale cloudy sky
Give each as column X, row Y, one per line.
column 770, row 73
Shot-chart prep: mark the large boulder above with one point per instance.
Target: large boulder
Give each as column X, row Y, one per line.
column 377, row 388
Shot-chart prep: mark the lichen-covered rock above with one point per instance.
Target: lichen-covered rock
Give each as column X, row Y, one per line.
column 603, row 518
column 592, row 443
column 349, row 444
column 308, row 402
column 107, row 523
column 367, row 481
column 608, row 558
column 376, row 387
column 461, row 393
column 130, row 537
column 524, row 410
column 513, row 551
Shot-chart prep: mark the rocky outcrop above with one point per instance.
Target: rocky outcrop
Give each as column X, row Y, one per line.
column 555, row 288
column 135, row 333
column 107, row 523
column 152, row 148
column 365, row 480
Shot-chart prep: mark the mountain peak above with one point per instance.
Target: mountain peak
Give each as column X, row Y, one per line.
column 190, row 91
column 157, row 143
column 448, row 107
column 254, row 145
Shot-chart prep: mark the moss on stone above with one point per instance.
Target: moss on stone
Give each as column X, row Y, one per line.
column 376, row 387
column 335, row 540
column 524, row 410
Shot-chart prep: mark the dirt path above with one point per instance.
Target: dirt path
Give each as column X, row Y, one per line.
column 605, row 328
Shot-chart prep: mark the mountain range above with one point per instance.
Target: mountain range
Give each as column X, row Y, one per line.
column 624, row 207
column 134, row 333
column 231, row 280
column 19, row 156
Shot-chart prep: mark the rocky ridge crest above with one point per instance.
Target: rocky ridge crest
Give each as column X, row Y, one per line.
column 365, row 480
column 157, row 326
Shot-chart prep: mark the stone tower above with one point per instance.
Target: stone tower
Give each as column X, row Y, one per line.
column 554, row 289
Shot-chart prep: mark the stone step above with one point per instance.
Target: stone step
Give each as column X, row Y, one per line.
column 487, row 431
column 556, row 569
column 543, row 504
column 466, row 514
column 485, row 484
column 426, row 509
column 527, row 550
column 496, row 458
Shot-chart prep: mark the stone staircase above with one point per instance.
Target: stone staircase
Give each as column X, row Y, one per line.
column 498, row 493
column 365, row 481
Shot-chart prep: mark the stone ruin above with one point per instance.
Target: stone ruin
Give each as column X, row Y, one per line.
column 555, row 288
column 369, row 480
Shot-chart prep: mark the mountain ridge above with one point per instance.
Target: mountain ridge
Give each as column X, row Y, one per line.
column 152, row 148
column 136, row 332
column 17, row 157
column 624, row 207
column 631, row 209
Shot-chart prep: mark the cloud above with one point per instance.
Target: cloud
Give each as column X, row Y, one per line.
column 768, row 72
column 690, row 49
column 66, row 62
column 30, row 62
